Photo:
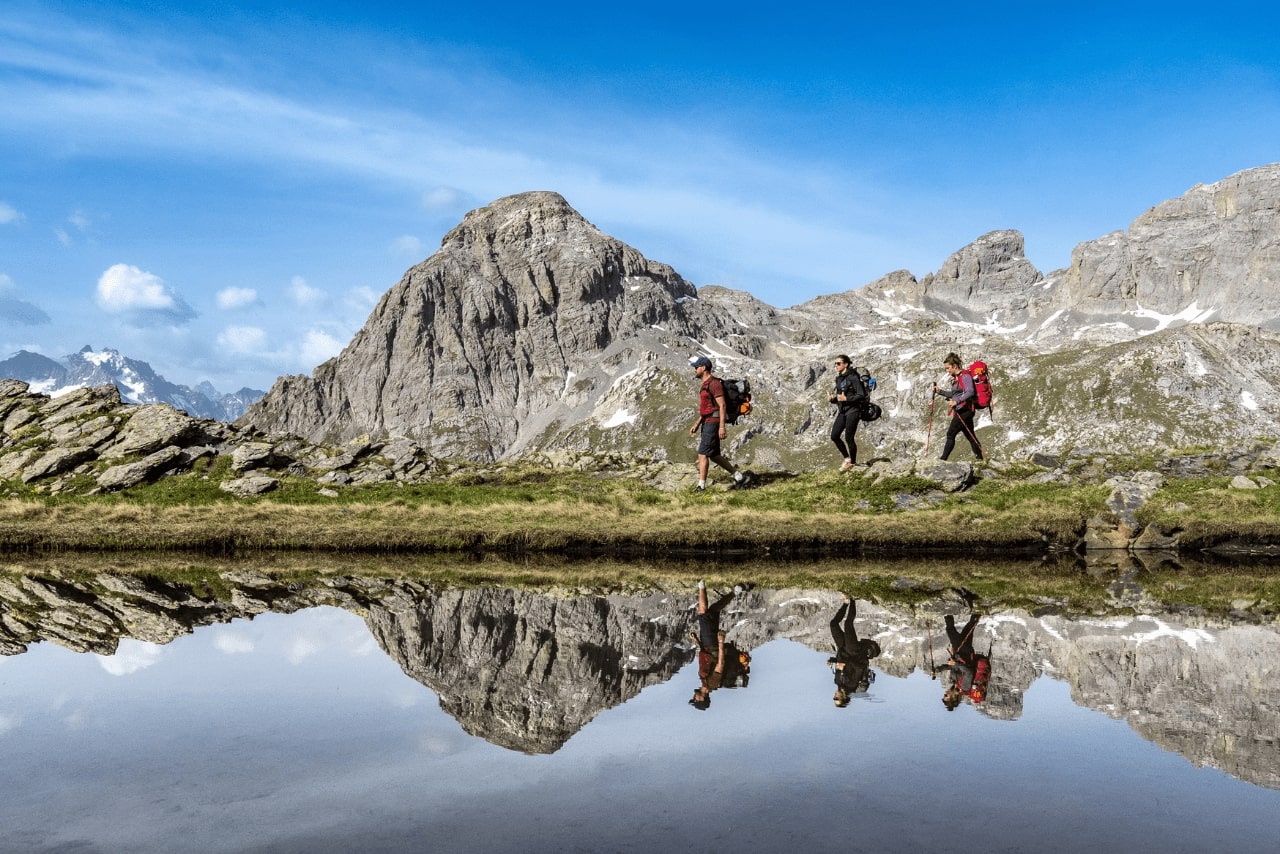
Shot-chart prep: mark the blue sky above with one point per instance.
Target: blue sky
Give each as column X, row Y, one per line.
column 225, row 190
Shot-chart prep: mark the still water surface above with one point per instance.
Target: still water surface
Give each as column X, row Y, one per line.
column 305, row 732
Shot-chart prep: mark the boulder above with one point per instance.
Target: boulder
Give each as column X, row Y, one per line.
column 149, row 467
column 151, row 427
column 254, row 484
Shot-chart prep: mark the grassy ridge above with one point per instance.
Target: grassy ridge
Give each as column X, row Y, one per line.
column 525, row 509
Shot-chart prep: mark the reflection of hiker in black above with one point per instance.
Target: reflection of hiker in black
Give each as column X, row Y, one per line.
column 719, row 663
column 853, row 657
column 962, row 399
column 969, row 670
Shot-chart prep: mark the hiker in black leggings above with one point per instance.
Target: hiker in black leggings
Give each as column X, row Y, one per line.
column 850, row 397
column 961, row 397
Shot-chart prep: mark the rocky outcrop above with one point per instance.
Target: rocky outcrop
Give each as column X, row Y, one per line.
column 1214, row 252
column 527, row 670
column 989, row 278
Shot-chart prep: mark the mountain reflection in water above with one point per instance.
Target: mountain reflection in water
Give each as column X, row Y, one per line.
column 284, row 721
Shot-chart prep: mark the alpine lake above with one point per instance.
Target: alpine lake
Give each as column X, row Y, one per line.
column 297, row 704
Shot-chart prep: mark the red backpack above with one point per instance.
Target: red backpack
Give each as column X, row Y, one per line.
column 981, row 385
column 981, row 676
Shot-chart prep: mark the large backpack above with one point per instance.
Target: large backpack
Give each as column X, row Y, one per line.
column 981, row 385
column 870, row 412
column 737, row 399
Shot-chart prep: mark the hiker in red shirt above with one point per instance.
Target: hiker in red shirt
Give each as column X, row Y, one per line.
column 711, row 424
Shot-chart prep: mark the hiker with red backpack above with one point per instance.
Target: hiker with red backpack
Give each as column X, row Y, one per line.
column 962, row 397
column 970, row 670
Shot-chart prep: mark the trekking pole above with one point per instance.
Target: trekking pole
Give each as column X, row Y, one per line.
column 969, row 432
column 933, row 401
column 928, row 627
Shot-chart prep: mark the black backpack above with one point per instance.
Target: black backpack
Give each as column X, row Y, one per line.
column 870, row 412
column 737, row 399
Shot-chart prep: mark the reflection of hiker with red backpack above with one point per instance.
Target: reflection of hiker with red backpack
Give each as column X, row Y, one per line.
column 720, row 664
column 852, row 660
column 963, row 404
column 970, row 670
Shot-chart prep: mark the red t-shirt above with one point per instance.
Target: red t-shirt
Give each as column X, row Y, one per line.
column 707, row 407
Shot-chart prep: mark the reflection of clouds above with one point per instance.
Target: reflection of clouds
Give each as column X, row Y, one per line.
column 301, row 648
column 131, row 656
column 330, row 630
column 8, row 723
column 405, row 699
column 232, row 643
column 76, row 719
column 437, row 744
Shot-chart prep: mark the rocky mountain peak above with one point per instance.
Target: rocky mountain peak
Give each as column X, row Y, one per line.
column 989, row 276
column 493, row 338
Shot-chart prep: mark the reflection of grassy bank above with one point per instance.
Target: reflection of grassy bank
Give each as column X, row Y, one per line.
column 1061, row 585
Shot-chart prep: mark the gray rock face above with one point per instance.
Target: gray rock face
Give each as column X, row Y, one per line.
column 1214, row 252
column 989, row 277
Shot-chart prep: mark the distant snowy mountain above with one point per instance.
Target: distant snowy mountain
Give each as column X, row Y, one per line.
column 137, row 381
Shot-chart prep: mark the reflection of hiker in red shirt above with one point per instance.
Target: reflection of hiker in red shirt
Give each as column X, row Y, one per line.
column 970, row 670
column 720, row 664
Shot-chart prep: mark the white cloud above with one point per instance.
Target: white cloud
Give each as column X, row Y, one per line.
column 304, row 294
column 9, row 214
column 63, row 237
column 442, row 198
column 242, row 339
column 318, row 346
column 7, row 723
column 131, row 656
column 143, row 297
column 360, row 301
column 80, row 220
column 407, row 244
column 232, row 298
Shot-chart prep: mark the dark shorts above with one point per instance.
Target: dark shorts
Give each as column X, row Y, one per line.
column 709, row 444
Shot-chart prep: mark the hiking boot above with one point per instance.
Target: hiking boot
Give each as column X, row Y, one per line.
column 846, row 465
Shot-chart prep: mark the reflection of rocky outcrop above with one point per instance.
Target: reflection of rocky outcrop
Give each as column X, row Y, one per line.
column 527, row 670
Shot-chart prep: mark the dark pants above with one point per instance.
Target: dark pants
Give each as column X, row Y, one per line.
column 961, row 422
column 846, row 424
column 962, row 639
column 846, row 637
column 708, row 622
